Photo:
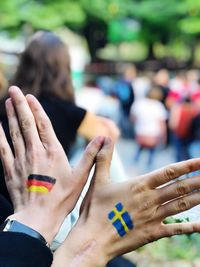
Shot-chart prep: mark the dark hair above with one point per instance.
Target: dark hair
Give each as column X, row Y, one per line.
column 44, row 68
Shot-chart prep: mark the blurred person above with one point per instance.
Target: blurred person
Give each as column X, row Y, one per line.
column 195, row 96
column 180, row 119
column 184, row 84
column 44, row 71
column 124, row 92
column 141, row 85
column 161, row 80
column 179, row 89
column 194, row 144
column 149, row 117
column 192, row 78
column 129, row 214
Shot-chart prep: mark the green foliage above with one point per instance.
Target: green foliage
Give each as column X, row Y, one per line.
column 170, row 220
column 40, row 14
column 185, row 247
column 160, row 21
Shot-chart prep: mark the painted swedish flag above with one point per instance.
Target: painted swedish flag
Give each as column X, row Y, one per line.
column 121, row 219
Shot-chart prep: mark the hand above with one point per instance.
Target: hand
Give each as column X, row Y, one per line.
column 38, row 151
column 149, row 199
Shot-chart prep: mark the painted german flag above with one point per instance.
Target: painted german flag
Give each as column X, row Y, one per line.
column 40, row 183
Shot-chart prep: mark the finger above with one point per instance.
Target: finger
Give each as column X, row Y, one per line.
column 179, row 205
column 45, row 129
column 180, row 228
column 101, row 173
column 178, row 189
column 164, row 175
column 103, row 161
column 6, row 154
column 83, row 169
column 15, row 132
column 25, row 117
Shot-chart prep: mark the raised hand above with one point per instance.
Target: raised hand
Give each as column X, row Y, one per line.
column 37, row 152
column 118, row 218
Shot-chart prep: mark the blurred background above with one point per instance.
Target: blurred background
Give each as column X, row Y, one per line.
column 135, row 62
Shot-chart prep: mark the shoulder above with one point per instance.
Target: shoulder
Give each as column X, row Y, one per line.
column 59, row 105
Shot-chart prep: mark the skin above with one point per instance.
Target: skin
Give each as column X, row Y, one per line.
column 93, row 125
column 149, row 199
column 38, row 151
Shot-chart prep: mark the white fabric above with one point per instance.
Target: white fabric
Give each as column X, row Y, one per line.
column 148, row 113
column 141, row 86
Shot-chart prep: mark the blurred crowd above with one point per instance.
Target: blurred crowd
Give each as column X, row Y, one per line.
column 154, row 109
column 158, row 109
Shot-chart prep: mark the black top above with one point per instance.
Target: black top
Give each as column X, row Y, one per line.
column 21, row 250
column 6, row 209
column 66, row 118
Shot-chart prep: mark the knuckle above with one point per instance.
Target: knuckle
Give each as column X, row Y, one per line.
column 147, row 204
column 20, row 166
column 138, row 188
column 135, row 188
column 3, row 151
column 34, row 154
column 43, row 125
column 169, row 173
column 178, row 230
column 15, row 135
column 182, row 188
column 151, row 235
column 183, row 205
column 190, row 166
column 54, row 153
column 26, row 123
column 89, row 153
column 101, row 156
column 195, row 228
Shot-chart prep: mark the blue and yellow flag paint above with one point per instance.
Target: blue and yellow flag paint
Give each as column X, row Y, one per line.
column 121, row 219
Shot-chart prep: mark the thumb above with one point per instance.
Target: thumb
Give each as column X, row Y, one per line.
column 101, row 173
column 103, row 161
column 83, row 169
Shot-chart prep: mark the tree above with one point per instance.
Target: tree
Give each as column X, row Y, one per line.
column 161, row 21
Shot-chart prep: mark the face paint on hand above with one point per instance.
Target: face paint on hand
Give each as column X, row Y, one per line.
column 40, row 183
column 121, row 219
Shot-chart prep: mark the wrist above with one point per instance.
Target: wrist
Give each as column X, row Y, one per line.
column 41, row 223
column 83, row 248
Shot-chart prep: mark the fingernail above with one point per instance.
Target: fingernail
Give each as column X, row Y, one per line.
column 30, row 96
column 13, row 88
column 8, row 102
